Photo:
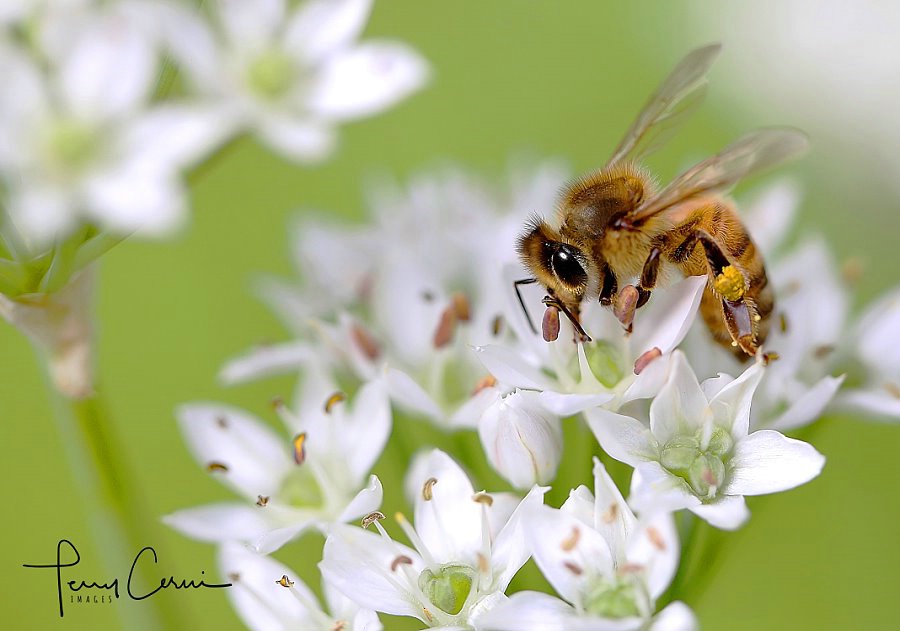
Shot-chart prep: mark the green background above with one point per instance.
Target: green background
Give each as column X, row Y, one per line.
column 510, row 78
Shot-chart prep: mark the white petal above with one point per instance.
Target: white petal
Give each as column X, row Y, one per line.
column 265, row 361
column 321, row 27
column 250, row 22
column 260, row 601
column 529, row 611
column 809, row 406
column 367, row 79
column 510, row 549
column 450, row 522
column 675, row 617
column 568, row 404
column 272, row 540
column 666, row 319
column 131, row 198
column 303, row 141
column 366, row 429
column 511, row 368
column 731, row 405
column 651, row 380
column 680, row 405
column 366, row 501
column 880, row 405
column 358, row 563
column 654, row 546
column 878, row 332
column 109, row 71
column 410, row 395
column 192, row 44
column 611, row 517
column 653, row 489
column 220, row 522
column 624, row 438
column 470, row 412
column 771, row 214
column 521, row 440
column 42, row 213
column 728, row 512
column 255, row 457
column 767, row 462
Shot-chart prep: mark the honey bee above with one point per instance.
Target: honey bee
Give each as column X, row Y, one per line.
column 615, row 224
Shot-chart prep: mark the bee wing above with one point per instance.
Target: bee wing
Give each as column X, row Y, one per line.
column 679, row 93
column 750, row 154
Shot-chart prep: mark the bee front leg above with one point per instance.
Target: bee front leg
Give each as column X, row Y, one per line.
column 731, row 286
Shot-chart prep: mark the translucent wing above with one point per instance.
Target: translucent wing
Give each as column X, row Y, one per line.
column 678, row 94
column 752, row 153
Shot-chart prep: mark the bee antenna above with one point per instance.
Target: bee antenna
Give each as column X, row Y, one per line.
column 525, row 281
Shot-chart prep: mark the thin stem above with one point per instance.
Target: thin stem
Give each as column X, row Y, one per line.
column 117, row 519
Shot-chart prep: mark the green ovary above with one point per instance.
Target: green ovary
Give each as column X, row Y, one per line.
column 448, row 587
column 71, row 143
column 272, row 74
column 702, row 469
column 611, row 600
column 301, row 489
column 605, row 362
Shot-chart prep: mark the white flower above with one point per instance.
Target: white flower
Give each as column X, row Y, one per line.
column 608, row 566
column 289, row 75
column 876, row 345
column 322, row 478
column 467, row 549
column 269, row 596
column 698, row 452
column 79, row 142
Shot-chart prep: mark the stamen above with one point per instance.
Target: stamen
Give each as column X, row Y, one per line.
column 277, row 403
column 427, row 489
column 823, row 351
column 644, row 360
column 568, row 544
column 461, row 307
column 497, row 325
column 216, row 467
column 656, row 538
column 365, row 342
column 783, row 324
column 892, row 389
column 400, row 560
column 488, row 381
column 262, row 500
column 414, row 538
column 333, row 400
column 770, row 357
column 372, row 518
column 428, row 615
column 299, row 443
column 222, row 422
column 443, row 335
column 574, row 569
column 483, row 498
column 284, row 581
column 234, row 577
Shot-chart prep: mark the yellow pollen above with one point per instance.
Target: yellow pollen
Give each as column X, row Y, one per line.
column 730, row 283
column 333, row 400
column 300, row 448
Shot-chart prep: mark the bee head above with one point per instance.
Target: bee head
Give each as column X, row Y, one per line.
column 560, row 266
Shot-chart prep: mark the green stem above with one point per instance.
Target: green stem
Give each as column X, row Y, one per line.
column 120, row 525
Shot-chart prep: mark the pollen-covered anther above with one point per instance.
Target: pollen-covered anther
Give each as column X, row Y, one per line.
column 630, row 568
column 216, row 467
column 234, row 577
column 483, row 566
column 609, row 516
column 770, row 357
column 461, row 307
column 783, row 323
column 222, row 422
column 299, row 444
column 400, row 560
column 284, row 581
column 573, row 568
column 483, row 498
column 427, row 489
column 644, row 360
column 371, row 518
column 365, row 342
column 443, row 334
column 488, row 381
column 729, row 283
column 339, row 625
column 277, row 403
column 497, row 325
column 656, row 538
column 333, row 400
column 428, row 615
column 892, row 389
column 262, row 500
column 568, row 544
column 823, row 351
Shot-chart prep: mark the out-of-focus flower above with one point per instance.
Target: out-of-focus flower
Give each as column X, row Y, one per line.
column 698, row 452
column 268, row 596
column 609, row 567
column 290, row 75
column 464, row 556
column 322, row 478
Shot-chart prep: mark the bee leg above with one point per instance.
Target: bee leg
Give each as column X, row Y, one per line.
column 729, row 283
column 649, row 275
column 633, row 297
column 609, row 289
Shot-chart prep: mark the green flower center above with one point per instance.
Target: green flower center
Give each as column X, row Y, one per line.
column 71, row 143
column 605, row 362
column 448, row 587
column 301, row 489
column 272, row 74
column 612, row 599
column 702, row 469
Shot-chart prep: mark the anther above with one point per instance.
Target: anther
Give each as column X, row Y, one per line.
column 428, row 615
column 483, row 498
column 371, row 518
column 443, row 334
column 339, row 625
column 611, row 513
column 782, row 320
column 277, row 403
column 333, row 400
column 400, row 560
column 488, row 381
column 262, row 500
column 630, row 568
column 222, row 422
column 574, row 569
column 497, row 325
column 852, row 271
column 234, row 577
column 568, row 544
column 365, row 342
column 216, row 467
column 644, row 360
column 892, row 389
column 483, row 566
column 284, row 581
column 821, row 352
column 656, row 539
column 770, row 357
column 299, row 443
column 427, row 493
column 461, row 307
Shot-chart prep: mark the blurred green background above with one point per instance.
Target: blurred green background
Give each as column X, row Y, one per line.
column 510, row 77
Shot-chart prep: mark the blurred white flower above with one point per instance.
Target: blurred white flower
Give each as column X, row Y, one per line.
column 289, row 75
column 268, row 596
column 608, row 566
column 322, row 478
column 698, row 452
column 464, row 558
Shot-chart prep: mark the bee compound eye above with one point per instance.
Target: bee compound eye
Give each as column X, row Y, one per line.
column 567, row 268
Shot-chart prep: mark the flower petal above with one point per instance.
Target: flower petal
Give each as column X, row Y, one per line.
column 624, row 438
column 767, row 462
column 653, row 489
column 529, row 611
column 731, row 404
column 563, row 404
column 882, row 405
column 728, row 512
column 654, row 546
column 510, row 550
column 666, row 319
column 265, row 361
column 220, row 522
column 675, row 617
column 250, row 23
column 511, row 368
column 410, row 395
column 366, row 501
column 612, row 517
column 320, row 28
column 680, row 405
column 304, row 141
column 808, row 407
